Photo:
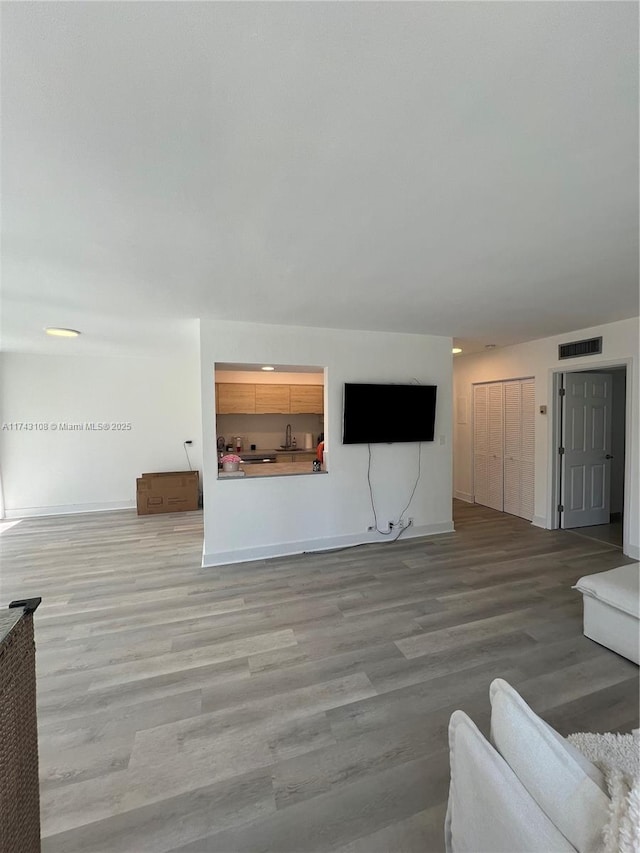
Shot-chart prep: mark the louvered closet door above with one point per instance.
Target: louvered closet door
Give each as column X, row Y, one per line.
column 480, row 445
column 495, row 445
column 512, row 446
column 488, row 441
column 504, row 445
column 527, row 445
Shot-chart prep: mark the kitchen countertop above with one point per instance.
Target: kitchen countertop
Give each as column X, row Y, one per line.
column 273, row 469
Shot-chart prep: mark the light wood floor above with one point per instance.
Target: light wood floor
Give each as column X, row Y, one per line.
column 299, row 704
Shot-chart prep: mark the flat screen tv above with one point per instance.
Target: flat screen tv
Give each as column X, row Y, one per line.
column 384, row 414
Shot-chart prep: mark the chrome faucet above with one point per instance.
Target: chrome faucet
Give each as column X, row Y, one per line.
column 287, row 439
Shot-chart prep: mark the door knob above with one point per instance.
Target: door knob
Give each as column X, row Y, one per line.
column 608, row 456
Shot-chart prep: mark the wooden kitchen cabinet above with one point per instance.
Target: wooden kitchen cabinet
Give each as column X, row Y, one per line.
column 239, row 398
column 272, row 398
column 236, row 398
column 305, row 399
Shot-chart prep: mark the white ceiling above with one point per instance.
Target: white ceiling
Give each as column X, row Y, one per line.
column 464, row 169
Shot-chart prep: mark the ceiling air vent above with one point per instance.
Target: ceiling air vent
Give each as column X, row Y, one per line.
column 577, row 348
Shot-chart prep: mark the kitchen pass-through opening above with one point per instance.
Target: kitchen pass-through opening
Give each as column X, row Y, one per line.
column 270, row 418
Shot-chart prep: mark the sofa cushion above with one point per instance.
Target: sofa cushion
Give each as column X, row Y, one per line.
column 568, row 788
column 620, row 588
column 489, row 810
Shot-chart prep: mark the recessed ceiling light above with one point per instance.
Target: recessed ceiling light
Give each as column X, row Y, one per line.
column 456, row 350
column 61, row 333
column 268, row 367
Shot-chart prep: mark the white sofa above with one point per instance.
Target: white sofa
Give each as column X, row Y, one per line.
column 529, row 791
column 612, row 609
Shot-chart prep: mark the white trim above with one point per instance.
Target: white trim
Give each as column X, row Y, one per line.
column 285, row 549
column 632, row 551
column 68, row 509
column 464, row 496
column 540, row 521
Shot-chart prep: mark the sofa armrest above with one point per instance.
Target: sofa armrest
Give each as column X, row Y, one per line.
column 489, row 810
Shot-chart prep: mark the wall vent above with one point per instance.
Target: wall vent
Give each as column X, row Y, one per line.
column 593, row 346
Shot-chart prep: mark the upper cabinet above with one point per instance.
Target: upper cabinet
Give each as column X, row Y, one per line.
column 234, row 398
column 238, row 398
column 272, row 398
column 306, row 398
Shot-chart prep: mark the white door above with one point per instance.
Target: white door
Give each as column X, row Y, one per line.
column 586, row 439
column 488, row 445
column 512, row 446
column 480, row 439
column 495, row 445
column 527, row 448
column 519, row 446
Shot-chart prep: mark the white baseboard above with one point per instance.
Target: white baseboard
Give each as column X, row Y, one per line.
column 285, row 549
column 632, row 551
column 539, row 521
column 463, row 496
column 68, row 509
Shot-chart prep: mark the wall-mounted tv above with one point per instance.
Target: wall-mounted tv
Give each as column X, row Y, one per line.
column 383, row 414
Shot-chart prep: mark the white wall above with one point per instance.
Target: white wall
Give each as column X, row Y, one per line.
column 49, row 472
column 540, row 359
column 260, row 517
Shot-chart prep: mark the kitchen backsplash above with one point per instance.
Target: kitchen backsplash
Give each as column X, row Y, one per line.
column 268, row 431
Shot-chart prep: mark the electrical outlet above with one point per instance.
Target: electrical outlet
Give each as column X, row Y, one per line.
column 391, row 525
